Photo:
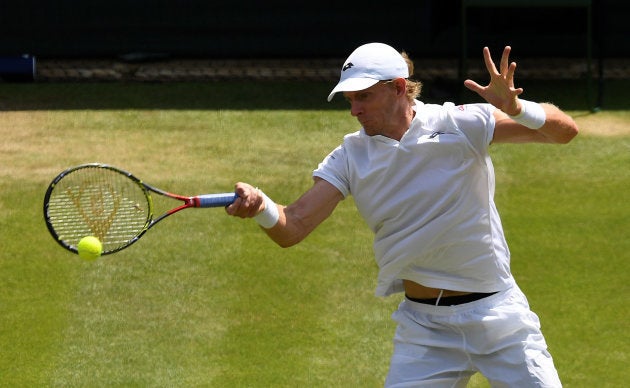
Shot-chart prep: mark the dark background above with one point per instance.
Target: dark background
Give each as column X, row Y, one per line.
column 137, row 29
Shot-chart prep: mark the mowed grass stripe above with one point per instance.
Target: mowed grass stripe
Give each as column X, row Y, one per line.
column 148, row 316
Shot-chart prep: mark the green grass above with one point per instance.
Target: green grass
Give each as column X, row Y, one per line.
column 207, row 300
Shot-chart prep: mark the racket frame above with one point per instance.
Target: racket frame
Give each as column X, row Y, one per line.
column 199, row 201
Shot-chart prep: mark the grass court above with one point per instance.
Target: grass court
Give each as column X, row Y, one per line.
column 208, row 300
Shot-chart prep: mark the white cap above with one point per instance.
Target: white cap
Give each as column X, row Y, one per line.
column 369, row 64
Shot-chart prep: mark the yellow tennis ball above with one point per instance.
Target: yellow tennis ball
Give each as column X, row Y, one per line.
column 90, row 248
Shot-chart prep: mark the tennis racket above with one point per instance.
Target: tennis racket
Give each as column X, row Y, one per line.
column 111, row 204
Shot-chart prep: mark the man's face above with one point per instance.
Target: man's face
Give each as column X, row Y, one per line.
column 373, row 107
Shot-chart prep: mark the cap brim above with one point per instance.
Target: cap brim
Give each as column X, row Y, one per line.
column 352, row 85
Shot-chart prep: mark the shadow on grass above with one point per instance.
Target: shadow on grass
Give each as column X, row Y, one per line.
column 290, row 95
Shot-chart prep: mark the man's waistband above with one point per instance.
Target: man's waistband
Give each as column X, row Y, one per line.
column 452, row 300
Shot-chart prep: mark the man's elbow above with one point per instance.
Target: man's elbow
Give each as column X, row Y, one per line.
column 562, row 126
column 285, row 240
column 286, row 243
column 569, row 132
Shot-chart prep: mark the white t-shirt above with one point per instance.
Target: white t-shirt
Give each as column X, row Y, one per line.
column 429, row 199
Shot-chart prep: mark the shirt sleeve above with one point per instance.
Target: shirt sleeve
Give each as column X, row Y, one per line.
column 476, row 121
column 334, row 170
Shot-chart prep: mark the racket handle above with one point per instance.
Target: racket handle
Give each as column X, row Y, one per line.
column 215, row 200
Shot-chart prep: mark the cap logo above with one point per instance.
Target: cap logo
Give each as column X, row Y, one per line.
column 347, row 66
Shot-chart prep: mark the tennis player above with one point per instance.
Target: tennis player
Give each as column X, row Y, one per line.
column 422, row 179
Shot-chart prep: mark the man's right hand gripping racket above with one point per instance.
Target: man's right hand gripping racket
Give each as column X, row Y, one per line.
column 111, row 204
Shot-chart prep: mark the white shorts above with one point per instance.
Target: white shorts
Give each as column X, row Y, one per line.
column 443, row 346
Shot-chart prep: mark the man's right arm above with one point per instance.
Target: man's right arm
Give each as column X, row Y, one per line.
column 295, row 221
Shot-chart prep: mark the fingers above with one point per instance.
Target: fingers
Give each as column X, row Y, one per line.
column 247, row 204
column 506, row 68
column 510, row 73
column 473, row 86
column 500, row 91
column 505, row 60
column 487, row 58
column 510, row 78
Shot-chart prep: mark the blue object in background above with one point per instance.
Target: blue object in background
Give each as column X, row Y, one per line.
column 17, row 68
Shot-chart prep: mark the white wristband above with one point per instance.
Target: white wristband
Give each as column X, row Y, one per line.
column 532, row 115
column 270, row 216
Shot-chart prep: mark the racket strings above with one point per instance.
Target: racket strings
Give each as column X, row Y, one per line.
column 102, row 210
column 98, row 202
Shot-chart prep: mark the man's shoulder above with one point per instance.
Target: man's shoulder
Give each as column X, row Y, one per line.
column 451, row 107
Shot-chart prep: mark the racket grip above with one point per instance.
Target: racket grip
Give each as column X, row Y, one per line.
column 215, row 200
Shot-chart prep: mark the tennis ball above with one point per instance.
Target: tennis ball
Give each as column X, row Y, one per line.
column 90, row 248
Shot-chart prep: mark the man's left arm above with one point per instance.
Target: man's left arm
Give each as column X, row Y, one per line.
column 558, row 128
column 517, row 120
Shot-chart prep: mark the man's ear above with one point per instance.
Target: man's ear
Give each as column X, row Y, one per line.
column 401, row 86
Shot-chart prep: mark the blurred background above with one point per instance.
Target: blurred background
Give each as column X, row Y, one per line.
column 114, row 33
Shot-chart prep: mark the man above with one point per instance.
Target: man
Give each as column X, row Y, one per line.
column 422, row 179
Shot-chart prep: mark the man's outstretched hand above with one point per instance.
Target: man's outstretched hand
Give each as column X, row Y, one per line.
column 500, row 92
